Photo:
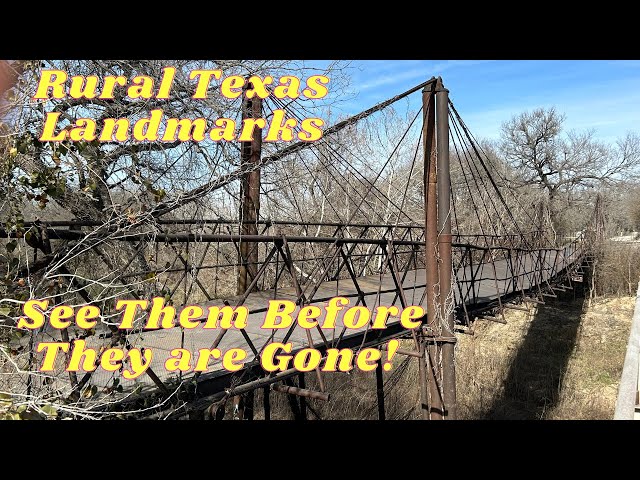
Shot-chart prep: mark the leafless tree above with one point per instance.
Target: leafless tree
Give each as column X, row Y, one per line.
column 124, row 186
column 567, row 166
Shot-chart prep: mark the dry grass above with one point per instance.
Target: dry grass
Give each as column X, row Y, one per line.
column 560, row 362
column 353, row 395
column 591, row 380
column 557, row 362
column 617, row 269
column 483, row 361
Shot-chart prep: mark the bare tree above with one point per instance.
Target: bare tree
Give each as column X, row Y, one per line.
column 124, row 186
column 564, row 167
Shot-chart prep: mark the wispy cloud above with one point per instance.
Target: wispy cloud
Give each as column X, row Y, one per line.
column 611, row 117
column 393, row 78
column 603, row 95
column 416, row 72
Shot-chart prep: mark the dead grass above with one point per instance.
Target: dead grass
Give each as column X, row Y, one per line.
column 593, row 373
column 353, row 396
column 557, row 362
column 483, row 361
column 560, row 362
column 617, row 269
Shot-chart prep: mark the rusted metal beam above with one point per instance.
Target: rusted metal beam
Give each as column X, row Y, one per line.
column 267, row 222
column 250, row 153
column 401, row 351
column 380, row 391
column 300, row 392
column 234, row 238
column 432, row 402
column 354, row 279
column 285, row 252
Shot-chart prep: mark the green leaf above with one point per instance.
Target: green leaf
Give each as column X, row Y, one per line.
column 5, row 311
column 159, row 194
column 11, row 246
column 50, row 410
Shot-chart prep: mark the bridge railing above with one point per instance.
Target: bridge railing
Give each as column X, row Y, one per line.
column 522, row 272
column 194, row 261
column 364, row 262
column 628, row 403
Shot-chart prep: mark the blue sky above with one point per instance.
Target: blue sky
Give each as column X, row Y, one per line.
column 603, row 95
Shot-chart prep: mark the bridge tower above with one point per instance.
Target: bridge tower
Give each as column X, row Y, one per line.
column 250, row 153
column 437, row 339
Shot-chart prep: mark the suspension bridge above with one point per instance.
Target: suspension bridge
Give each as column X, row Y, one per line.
column 427, row 217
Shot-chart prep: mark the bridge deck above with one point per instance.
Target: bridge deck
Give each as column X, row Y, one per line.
column 378, row 289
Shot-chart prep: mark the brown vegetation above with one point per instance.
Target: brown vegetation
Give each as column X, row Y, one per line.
column 617, row 270
column 563, row 361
